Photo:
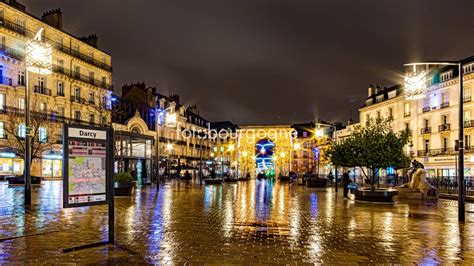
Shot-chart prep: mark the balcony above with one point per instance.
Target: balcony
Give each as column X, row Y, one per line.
column 426, row 130
column 406, row 114
column 426, row 109
column 445, row 127
column 466, row 99
column 436, row 152
column 42, row 90
column 77, row 99
column 60, row 93
column 78, row 76
column 444, row 105
column 469, row 123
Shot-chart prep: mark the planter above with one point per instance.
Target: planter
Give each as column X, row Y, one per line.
column 20, row 180
column 316, row 182
column 377, row 195
column 123, row 188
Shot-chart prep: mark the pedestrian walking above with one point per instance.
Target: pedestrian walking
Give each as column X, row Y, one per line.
column 346, row 181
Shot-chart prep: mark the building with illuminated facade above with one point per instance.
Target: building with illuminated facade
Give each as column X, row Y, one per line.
column 140, row 117
column 77, row 91
column 432, row 120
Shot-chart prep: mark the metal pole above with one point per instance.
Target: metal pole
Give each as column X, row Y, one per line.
column 27, row 157
column 335, row 178
column 200, row 161
column 461, row 194
column 158, row 153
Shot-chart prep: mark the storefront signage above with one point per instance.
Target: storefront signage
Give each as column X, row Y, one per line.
column 87, row 166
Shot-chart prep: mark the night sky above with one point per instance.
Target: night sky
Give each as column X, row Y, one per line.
column 269, row 61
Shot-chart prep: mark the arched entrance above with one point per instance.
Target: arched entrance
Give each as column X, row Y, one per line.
column 264, row 155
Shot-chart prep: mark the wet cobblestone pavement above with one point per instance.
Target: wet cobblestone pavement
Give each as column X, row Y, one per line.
column 257, row 222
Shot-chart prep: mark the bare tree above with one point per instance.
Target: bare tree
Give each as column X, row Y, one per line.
column 42, row 130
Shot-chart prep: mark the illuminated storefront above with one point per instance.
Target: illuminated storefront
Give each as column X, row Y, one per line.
column 133, row 153
column 51, row 164
column 10, row 164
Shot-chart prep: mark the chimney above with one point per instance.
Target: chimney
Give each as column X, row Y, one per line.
column 91, row 40
column 17, row 5
column 377, row 89
column 371, row 90
column 53, row 18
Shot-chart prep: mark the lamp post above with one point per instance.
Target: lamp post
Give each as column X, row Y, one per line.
column 170, row 119
column 415, row 88
column 245, row 154
column 38, row 59
column 319, row 132
column 169, row 148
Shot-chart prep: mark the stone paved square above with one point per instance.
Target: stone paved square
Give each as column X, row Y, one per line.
column 253, row 222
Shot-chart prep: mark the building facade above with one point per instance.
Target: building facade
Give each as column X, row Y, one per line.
column 78, row 90
column 433, row 120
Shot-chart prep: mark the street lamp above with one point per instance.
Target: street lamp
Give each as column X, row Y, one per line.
column 318, row 129
column 170, row 120
column 418, row 85
column 38, row 59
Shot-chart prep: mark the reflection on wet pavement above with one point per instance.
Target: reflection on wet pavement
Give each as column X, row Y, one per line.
column 254, row 221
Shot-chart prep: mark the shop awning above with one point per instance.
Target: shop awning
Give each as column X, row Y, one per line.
column 52, row 155
column 8, row 153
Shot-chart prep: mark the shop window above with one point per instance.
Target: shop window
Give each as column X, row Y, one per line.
column 3, row 100
column 2, row 131
column 42, row 135
column 21, row 104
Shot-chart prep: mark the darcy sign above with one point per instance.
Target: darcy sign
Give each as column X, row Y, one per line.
column 87, row 133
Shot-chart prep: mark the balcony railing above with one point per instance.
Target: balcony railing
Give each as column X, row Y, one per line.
column 42, row 90
column 406, row 114
column 426, row 130
column 78, row 76
column 77, row 99
column 444, row 127
column 25, row 32
column 466, row 99
column 426, row 109
column 436, row 152
column 444, row 105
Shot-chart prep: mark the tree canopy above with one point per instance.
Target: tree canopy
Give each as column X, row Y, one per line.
column 374, row 146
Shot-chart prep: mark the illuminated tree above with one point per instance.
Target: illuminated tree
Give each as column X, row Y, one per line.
column 372, row 147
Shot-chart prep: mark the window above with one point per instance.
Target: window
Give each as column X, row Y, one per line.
column 406, row 109
column 41, row 82
column 444, row 98
column 378, row 114
column 104, row 102
column 467, row 142
column 468, row 68
column 367, row 118
column 104, row 81
column 91, row 76
column 92, row 118
column 379, row 98
column 467, row 116
column 2, row 101
column 60, row 88
column 91, row 97
column 61, row 111
column 392, row 94
column 467, row 92
column 446, row 76
column 21, row 104
column 75, row 47
column 21, row 130
column 43, row 107
column 42, row 135
column 427, row 145
column 61, row 65
column 444, row 119
column 429, row 82
column 426, row 103
column 390, row 112
column 445, row 144
column 20, row 23
column 103, row 120
column 77, row 71
column 77, row 93
column 77, row 115
column 407, row 126
column 2, row 131
column 426, row 123
column 21, row 77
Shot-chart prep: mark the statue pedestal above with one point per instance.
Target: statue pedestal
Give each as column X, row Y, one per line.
column 414, row 194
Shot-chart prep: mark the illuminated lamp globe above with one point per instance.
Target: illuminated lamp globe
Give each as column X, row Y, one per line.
column 415, row 85
column 39, row 55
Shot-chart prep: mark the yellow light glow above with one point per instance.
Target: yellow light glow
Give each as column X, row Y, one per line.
column 169, row 146
column 297, row 146
column 38, row 56
column 415, row 85
column 319, row 133
column 231, row 147
column 244, row 153
column 282, row 154
column 275, row 158
column 170, row 119
column 471, row 159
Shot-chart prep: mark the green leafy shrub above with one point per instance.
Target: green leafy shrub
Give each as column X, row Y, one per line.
column 123, row 177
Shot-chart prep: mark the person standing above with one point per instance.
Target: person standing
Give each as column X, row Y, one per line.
column 346, row 181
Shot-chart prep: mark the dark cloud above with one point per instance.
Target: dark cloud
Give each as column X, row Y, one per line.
column 269, row 61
